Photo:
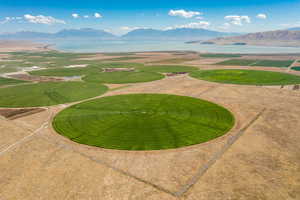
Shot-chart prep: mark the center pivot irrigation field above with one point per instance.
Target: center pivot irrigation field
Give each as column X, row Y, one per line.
column 143, row 122
column 48, row 93
column 246, row 77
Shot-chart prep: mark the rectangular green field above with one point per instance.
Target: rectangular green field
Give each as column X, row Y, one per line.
column 264, row 63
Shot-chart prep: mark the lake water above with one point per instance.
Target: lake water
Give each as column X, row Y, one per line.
column 134, row 46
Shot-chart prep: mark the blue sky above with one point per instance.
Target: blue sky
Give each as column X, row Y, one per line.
column 122, row 16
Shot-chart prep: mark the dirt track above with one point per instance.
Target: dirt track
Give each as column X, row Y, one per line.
column 258, row 159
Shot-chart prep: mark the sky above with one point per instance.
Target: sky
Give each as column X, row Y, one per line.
column 120, row 17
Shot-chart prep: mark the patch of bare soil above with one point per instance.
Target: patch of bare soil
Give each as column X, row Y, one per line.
column 99, row 57
column 27, row 77
column 11, row 114
column 12, row 46
column 76, row 66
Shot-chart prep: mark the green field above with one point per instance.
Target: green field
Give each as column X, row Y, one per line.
column 143, row 122
column 49, row 59
column 296, row 68
column 9, row 81
column 122, row 77
column 265, row 63
column 246, row 77
column 94, row 73
column 220, row 55
column 48, row 93
column 168, row 68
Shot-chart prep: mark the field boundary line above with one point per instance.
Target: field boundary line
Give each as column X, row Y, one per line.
column 292, row 65
column 26, row 138
column 105, row 164
column 217, row 156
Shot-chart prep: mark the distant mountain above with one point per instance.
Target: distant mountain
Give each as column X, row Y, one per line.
column 294, row 29
column 84, row 32
column 184, row 34
column 174, row 34
column 66, row 33
column 25, row 35
column 270, row 38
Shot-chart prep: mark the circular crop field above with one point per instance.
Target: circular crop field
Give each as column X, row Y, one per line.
column 143, row 122
column 123, row 77
column 246, row 77
column 48, row 93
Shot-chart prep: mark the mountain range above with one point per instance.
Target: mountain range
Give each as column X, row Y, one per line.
column 175, row 34
column 138, row 34
column 290, row 37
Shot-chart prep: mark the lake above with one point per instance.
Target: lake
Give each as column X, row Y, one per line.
column 136, row 46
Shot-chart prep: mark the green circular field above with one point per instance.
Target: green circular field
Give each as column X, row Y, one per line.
column 48, row 93
column 246, row 77
column 143, row 122
column 123, row 77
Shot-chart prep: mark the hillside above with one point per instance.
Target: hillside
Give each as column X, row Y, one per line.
column 66, row 33
column 174, row 34
column 270, row 38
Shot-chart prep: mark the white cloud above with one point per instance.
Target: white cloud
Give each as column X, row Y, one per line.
column 183, row 13
column 75, row 15
column 194, row 25
column 261, row 16
column 41, row 19
column 86, row 16
column 225, row 26
column 199, row 17
column 97, row 15
column 127, row 28
column 238, row 20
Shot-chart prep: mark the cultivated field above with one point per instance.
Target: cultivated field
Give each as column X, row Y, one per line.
column 106, row 126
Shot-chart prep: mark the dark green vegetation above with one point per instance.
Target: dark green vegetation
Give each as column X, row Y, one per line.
column 168, row 68
column 95, row 73
column 9, row 81
column 143, row 122
column 265, row 63
column 220, row 55
column 122, row 77
column 48, row 93
column 246, row 77
column 296, row 68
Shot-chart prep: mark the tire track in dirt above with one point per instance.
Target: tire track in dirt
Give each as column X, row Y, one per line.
column 216, row 156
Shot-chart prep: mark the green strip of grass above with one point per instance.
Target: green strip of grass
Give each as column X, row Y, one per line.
column 246, row 77
column 10, row 81
column 122, row 77
column 143, row 122
column 168, row 68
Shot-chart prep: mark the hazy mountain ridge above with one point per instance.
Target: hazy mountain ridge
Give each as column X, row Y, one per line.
column 144, row 34
column 65, row 33
column 180, row 33
column 269, row 38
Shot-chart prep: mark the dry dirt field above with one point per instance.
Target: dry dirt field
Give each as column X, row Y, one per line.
column 259, row 159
